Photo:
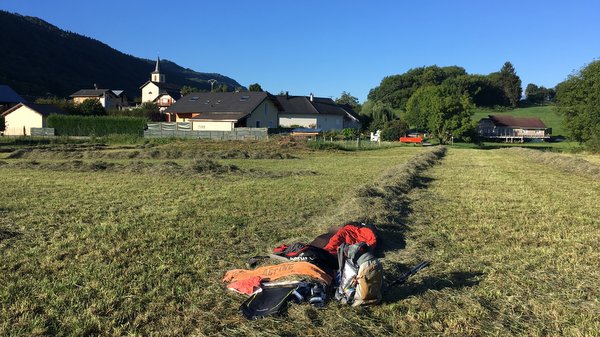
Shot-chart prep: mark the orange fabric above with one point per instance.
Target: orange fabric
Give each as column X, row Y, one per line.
column 278, row 271
column 246, row 286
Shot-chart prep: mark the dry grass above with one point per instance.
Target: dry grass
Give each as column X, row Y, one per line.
column 513, row 242
column 516, row 241
column 583, row 165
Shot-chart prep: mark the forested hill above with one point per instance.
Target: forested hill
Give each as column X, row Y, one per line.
column 39, row 59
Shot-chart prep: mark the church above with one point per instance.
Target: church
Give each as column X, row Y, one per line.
column 156, row 90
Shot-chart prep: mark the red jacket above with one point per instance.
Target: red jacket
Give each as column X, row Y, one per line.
column 351, row 234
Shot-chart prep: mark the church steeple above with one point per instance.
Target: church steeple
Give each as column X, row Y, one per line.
column 156, row 76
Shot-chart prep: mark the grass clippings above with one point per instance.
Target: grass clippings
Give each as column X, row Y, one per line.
column 566, row 163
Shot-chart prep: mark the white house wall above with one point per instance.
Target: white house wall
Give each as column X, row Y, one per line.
column 265, row 114
column 23, row 117
column 212, row 126
column 287, row 121
column 323, row 122
column 149, row 92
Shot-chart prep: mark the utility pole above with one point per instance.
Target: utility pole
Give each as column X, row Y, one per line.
column 212, row 83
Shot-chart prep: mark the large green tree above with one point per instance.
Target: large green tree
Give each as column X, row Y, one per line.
column 442, row 110
column 396, row 90
column 255, row 87
column 482, row 90
column 377, row 113
column 538, row 94
column 347, row 99
column 510, row 83
column 578, row 99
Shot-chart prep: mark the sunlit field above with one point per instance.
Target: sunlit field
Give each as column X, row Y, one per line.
column 134, row 240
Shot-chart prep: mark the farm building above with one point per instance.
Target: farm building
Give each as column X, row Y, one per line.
column 315, row 112
column 511, row 128
column 22, row 117
column 224, row 111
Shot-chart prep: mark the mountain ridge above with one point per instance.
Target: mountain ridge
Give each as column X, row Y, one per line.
column 40, row 59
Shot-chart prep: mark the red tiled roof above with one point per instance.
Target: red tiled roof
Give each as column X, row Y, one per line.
column 524, row 122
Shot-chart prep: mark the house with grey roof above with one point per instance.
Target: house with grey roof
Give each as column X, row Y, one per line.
column 224, row 111
column 22, row 117
column 8, row 97
column 315, row 112
column 110, row 99
column 511, row 128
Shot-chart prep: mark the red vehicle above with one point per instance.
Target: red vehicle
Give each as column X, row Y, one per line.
column 411, row 140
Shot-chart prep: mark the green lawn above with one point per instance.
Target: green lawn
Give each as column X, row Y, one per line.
column 135, row 242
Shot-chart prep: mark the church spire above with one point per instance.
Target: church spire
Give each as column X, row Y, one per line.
column 156, row 76
column 157, row 68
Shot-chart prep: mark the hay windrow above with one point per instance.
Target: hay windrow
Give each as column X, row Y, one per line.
column 561, row 162
column 383, row 202
column 102, row 152
column 200, row 166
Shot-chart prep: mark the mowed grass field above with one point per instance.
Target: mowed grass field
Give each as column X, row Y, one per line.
column 136, row 242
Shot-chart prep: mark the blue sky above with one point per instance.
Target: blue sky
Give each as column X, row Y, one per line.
column 329, row 46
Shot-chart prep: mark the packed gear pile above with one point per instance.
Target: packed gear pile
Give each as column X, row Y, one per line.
column 340, row 263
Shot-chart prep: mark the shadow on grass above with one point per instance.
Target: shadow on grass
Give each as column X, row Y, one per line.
column 454, row 280
column 6, row 234
column 391, row 237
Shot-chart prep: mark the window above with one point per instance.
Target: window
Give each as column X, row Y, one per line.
column 244, row 98
column 258, row 124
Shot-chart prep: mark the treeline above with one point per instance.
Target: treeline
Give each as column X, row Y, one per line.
column 578, row 100
column 439, row 100
column 93, row 107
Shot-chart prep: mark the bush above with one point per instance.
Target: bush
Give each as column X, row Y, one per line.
column 91, row 107
column 148, row 110
column 393, row 130
column 96, row 125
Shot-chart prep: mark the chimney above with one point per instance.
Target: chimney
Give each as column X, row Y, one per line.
column 95, row 86
column 287, row 95
column 311, row 97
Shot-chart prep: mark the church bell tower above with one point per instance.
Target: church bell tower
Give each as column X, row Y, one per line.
column 156, row 76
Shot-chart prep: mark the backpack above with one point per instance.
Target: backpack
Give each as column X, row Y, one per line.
column 361, row 275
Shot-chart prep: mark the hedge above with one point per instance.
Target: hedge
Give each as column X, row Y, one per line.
column 65, row 125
